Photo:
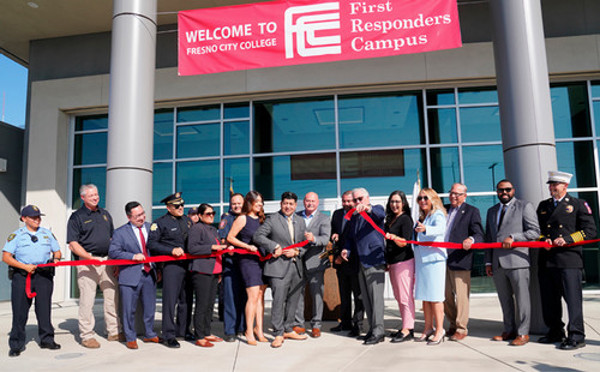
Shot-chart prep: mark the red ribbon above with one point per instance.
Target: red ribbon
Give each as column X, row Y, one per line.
column 185, row 256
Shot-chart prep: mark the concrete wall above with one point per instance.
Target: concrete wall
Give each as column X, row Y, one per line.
column 11, row 149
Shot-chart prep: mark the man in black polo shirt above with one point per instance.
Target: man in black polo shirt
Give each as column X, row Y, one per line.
column 89, row 231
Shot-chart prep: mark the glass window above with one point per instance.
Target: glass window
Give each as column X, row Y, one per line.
column 381, row 172
column 204, row 113
column 163, row 134
column 483, row 167
column 236, row 176
column 162, row 182
column 596, row 89
column 442, row 126
column 93, row 122
column 445, row 168
column 198, row 181
column 198, row 140
column 479, row 95
column 82, row 176
column 236, row 136
column 596, row 106
column 570, row 110
column 480, row 124
column 298, row 125
column 297, row 173
column 380, row 120
column 236, row 110
column 90, row 148
column 577, row 158
column 440, row 97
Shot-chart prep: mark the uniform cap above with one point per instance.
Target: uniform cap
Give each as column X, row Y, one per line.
column 193, row 210
column 559, row 177
column 174, row 199
column 31, row 211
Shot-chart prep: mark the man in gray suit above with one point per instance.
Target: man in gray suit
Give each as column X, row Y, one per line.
column 318, row 230
column 284, row 269
column 509, row 221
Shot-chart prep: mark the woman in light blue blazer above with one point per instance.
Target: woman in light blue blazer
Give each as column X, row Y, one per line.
column 430, row 264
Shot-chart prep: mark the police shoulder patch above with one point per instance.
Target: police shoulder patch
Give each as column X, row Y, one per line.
column 11, row 237
column 153, row 227
column 223, row 223
column 589, row 210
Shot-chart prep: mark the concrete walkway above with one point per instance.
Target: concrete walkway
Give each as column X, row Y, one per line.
column 330, row 352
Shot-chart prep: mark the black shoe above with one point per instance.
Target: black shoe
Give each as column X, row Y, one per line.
column 400, row 337
column 569, row 344
column 189, row 337
column 551, row 339
column 14, row 352
column 172, row 343
column 374, row 340
column 354, row 332
column 340, row 327
column 364, row 337
column 50, row 345
column 229, row 338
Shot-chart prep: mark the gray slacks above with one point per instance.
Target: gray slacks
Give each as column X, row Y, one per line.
column 315, row 280
column 372, row 282
column 509, row 283
column 286, row 293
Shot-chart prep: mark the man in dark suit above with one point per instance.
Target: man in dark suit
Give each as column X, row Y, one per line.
column 369, row 245
column 284, row 270
column 564, row 220
column 463, row 226
column 346, row 271
column 509, row 221
column 135, row 281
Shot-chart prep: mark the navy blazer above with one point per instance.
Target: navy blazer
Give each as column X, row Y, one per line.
column 466, row 223
column 362, row 239
column 123, row 246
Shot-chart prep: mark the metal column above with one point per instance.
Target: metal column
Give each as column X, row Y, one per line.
column 131, row 106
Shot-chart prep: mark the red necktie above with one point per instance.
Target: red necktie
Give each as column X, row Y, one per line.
column 147, row 266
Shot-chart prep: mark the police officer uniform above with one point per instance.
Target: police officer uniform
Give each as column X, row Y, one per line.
column 166, row 233
column 31, row 248
column 560, row 268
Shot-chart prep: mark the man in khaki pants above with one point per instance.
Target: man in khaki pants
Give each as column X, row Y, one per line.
column 89, row 231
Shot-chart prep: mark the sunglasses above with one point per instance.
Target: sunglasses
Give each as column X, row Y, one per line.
column 208, row 214
column 177, row 206
column 501, row 190
column 419, row 198
column 359, row 199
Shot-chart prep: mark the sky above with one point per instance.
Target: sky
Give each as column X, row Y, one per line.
column 13, row 92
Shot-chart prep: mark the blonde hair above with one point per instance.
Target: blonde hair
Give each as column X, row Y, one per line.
column 436, row 202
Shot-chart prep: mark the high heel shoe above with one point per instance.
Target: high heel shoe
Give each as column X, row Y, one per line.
column 431, row 342
column 425, row 336
column 250, row 341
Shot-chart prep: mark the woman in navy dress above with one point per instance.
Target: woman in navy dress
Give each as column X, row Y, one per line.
column 240, row 235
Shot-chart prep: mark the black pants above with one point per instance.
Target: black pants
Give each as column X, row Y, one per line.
column 173, row 278
column 42, row 284
column 554, row 284
column 348, row 286
column 205, row 288
column 185, row 304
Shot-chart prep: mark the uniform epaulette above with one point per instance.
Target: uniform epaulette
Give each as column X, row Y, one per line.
column 578, row 236
column 541, row 238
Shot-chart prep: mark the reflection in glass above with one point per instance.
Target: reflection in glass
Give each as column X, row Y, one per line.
column 442, row 126
column 577, row 158
column 203, row 113
column 162, row 182
column 596, row 106
column 236, row 110
column 380, row 120
column 440, row 97
column 297, row 125
column 163, row 134
column 445, row 169
column 82, row 176
column 92, row 122
column 480, row 124
column 483, row 167
column 199, row 181
column 596, row 89
column 236, row 137
column 198, row 140
column 90, row 148
column 274, row 175
column 236, row 176
column 570, row 111
column 478, row 95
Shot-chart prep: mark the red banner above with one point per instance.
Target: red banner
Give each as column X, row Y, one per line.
column 292, row 32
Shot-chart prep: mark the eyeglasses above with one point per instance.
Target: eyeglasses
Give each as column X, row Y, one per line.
column 208, row 214
column 359, row 199
column 457, row 194
column 501, row 190
column 177, row 206
column 419, row 198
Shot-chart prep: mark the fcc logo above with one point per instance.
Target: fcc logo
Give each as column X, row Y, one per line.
column 303, row 23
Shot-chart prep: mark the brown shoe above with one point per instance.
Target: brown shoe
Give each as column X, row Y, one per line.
column 117, row 337
column 132, row 344
column 277, row 342
column 154, row 340
column 204, row 343
column 316, row 332
column 450, row 332
column 294, row 336
column 458, row 336
column 505, row 336
column 299, row 330
column 520, row 340
column 213, row 338
column 90, row 343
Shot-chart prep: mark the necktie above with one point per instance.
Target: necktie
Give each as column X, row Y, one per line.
column 502, row 212
column 147, row 266
column 291, row 228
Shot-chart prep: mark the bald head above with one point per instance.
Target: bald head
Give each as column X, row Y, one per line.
column 311, row 202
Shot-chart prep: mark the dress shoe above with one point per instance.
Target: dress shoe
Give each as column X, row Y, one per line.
column 551, row 339
column 520, row 340
column 132, row 344
column 364, row 337
column 154, row 340
column 90, row 343
column 15, row 352
column 299, row 330
column 229, row 338
column 505, row 336
column 50, row 345
column 458, row 336
column 569, row 344
column 213, row 338
column 354, row 332
column 118, row 337
column 204, row 343
column 450, row 332
column 294, row 336
column 189, row 337
column 432, row 342
column 172, row 343
column 374, row 340
column 401, row 337
column 315, row 333
column 277, row 342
